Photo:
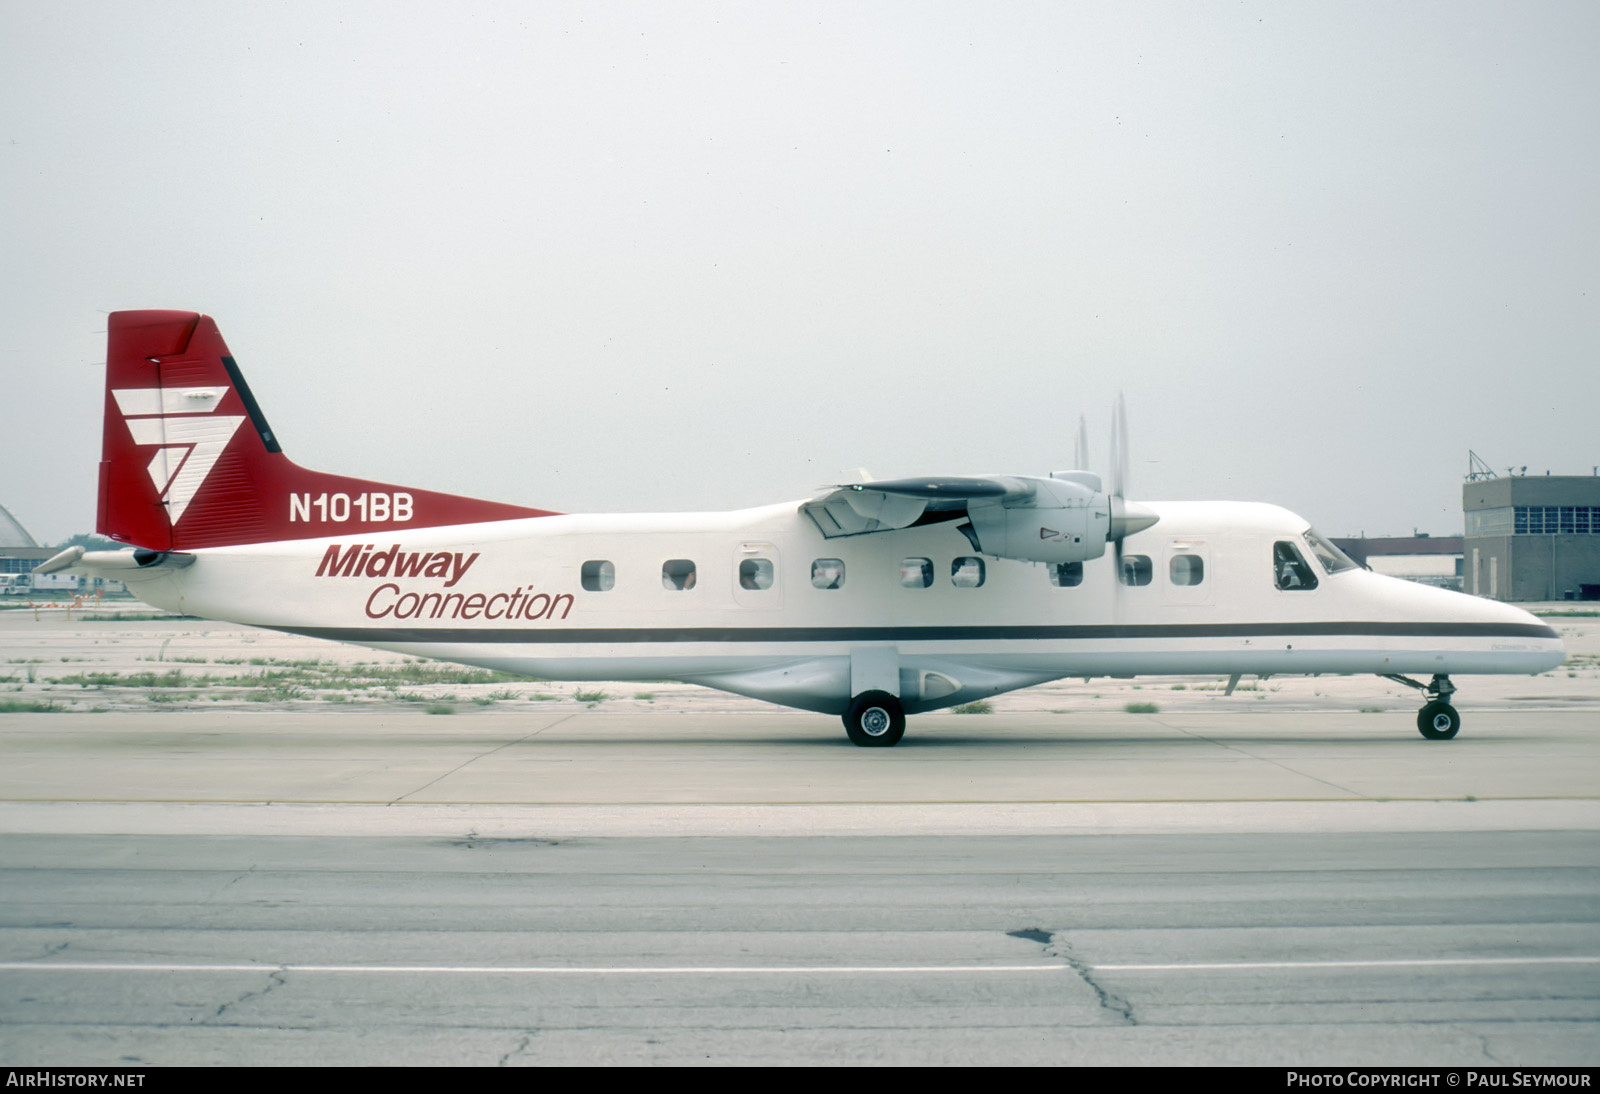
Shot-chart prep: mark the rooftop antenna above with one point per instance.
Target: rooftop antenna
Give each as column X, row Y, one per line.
column 1478, row 469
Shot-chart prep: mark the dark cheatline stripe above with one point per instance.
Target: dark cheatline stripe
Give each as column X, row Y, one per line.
column 616, row 635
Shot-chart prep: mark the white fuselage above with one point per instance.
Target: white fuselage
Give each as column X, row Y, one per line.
column 511, row 595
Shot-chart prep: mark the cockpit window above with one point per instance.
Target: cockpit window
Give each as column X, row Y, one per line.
column 1333, row 560
column 1290, row 568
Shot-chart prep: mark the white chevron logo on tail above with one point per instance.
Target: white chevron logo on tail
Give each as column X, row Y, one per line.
column 189, row 436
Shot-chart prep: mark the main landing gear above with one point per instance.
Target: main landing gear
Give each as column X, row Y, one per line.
column 875, row 720
column 1437, row 720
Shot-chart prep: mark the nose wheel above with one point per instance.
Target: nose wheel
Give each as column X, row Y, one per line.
column 1437, row 720
column 875, row 720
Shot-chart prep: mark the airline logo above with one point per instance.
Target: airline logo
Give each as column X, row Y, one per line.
column 365, row 560
column 189, row 437
column 390, row 601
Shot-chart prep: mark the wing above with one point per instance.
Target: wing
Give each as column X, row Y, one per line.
column 858, row 508
column 1064, row 518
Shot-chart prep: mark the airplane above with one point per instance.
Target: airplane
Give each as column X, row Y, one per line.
column 869, row 600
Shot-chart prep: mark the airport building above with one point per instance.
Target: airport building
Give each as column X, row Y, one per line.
column 1430, row 560
column 1532, row 537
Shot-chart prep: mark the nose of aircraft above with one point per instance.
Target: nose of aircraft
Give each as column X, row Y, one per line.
column 1536, row 630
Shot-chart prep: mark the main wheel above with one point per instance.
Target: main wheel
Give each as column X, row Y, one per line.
column 875, row 720
column 1438, row 721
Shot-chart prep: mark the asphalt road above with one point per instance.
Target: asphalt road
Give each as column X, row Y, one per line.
column 1193, row 948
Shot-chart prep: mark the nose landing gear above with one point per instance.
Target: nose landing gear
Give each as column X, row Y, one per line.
column 1437, row 720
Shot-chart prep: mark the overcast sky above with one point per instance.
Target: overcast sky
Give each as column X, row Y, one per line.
column 616, row 256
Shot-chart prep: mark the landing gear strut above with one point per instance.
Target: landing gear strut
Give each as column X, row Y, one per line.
column 1437, row 720
column 875, row 720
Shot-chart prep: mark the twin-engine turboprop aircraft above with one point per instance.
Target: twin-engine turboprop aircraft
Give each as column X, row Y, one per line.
column 872, row 600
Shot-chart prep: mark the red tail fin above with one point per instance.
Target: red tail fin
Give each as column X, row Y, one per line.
column 188, row 460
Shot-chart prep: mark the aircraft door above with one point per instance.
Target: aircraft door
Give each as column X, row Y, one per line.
column 1187, row 577
column 757, row 576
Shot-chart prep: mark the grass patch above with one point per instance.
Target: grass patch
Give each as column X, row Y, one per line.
column 590, row 697
column 1180, row 687
column 1140, row 708
column 977, row 706
column 1569, row 613
column 644, row 696
column 30, row 706
column 439, row 708
column 1372, row 710
column 173, row 678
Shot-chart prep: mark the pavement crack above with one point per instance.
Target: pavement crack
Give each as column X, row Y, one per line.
column 1055, row 946
column 520, row 1048
column 480, row 756
column 1114, row 1004
column 1266, row 760
column 275, row 978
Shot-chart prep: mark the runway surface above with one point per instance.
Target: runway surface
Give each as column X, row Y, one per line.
column 1262, row 885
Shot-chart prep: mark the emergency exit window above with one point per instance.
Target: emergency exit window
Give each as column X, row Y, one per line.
column 599, row 576
column 1187, row 569
column 755, row 573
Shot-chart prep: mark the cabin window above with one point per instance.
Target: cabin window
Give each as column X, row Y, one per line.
column 1136, row 570
column 755, row 573
column 827, row 573
column 599, row 576
column 916, row 573
column 1290, row 569
column 1065, row 575
column 966, row 572
column 677, row 574
column 1187, row 569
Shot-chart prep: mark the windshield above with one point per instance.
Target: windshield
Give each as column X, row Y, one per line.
column 1333, row 560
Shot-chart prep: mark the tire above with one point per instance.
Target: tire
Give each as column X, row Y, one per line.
column 875, row 720
column 1438, row 721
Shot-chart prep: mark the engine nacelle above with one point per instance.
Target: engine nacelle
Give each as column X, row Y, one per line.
column 1066, row 522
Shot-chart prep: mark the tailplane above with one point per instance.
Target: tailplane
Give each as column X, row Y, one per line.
column 189, row 461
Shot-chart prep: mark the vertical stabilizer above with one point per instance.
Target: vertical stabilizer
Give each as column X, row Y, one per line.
column 188, row 459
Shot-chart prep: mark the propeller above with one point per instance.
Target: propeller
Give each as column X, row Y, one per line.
column 1126, row 517
column 1080, row 445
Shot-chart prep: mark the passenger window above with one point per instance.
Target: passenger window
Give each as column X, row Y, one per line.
column 1136, row 570
column 916, row 573
column 755, row 573
column 966, row 572
column 827, row 573
column 599, row 576
column 1289, row 567
column 677, row 574
column 1187, row 569
column 1065, row 575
